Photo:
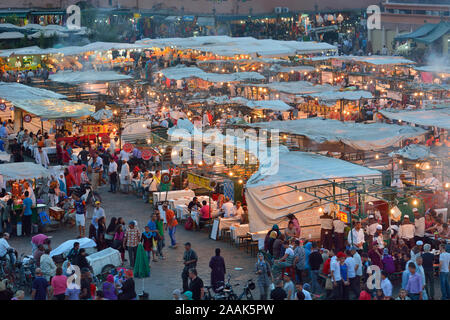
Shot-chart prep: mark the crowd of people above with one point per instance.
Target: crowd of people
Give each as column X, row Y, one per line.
column 341, row 264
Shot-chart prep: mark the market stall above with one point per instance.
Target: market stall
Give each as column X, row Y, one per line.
column 270, row 198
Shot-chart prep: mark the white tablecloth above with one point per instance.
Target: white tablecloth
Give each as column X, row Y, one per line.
column 182, row 211
column 226, row 223
column 172, row 195
column 238, row 230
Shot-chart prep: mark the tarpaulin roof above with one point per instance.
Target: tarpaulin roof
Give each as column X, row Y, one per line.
column 55, row 109
column 295, row 87
column 11, row 35
column 87, row 76
column 413, row 152
column 373, row 136
column 434, row 69
column 275, row 105
column 441, row 29
column 297, row 166
column 342, row 95
column 23, row 170
column 419, row 32
column 219, row 45
column 13, row 91
column 375, row 60
column 231, row 46
column 270, row 197
column 182, row 72
column 431, row 117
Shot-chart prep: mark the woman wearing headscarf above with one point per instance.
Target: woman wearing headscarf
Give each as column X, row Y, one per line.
column 268, row 237
column 187, row 295
column 128, row 291
column 110, row 231
column 263, row 281
column 218, row 270
column 62, row 184
column 376, row 255
column 307, row 248
column 109, row 289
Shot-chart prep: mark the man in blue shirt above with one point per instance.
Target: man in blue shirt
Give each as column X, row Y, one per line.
column 152, row 226
column 26, row 213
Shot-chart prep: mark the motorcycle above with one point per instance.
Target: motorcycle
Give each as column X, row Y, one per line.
column 26, row 272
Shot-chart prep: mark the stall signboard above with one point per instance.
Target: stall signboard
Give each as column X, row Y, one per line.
column 352, row 200
column 200, row 181
column 2, row 106
column 27, row 118
column 342, row 215
column 128, row 147
column 96, row 128
column 147, row 154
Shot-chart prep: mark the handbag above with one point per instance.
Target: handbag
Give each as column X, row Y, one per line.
column 116, row 244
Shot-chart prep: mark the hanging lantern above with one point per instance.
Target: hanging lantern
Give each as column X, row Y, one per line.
column 330, row 17
column 340, row 18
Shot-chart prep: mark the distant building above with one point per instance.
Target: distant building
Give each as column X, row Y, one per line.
column 405, row 16
column 243, row 7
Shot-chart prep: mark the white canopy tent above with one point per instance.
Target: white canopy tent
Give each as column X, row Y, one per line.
column 232, row 46
column 413, row 152
column 182, row 72
column 373, row 136
column 342, row 95
column 295, row 87
column 55, row 108
column 426, row 117
column 434, row 69
column 270, row 198
column 275, row 105
column 11, row 35
column 23, row 170
column 13, row 91
column 375, row 60
column 87, row 76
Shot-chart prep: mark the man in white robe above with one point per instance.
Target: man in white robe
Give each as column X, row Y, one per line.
column 125, row 176
column 42, row 158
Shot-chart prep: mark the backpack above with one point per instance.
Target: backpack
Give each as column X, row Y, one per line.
column 189, row 225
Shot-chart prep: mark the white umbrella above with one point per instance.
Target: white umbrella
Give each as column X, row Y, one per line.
column 102, row 114
column 65, row 247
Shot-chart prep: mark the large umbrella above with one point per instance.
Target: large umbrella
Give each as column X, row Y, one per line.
column 141, row 265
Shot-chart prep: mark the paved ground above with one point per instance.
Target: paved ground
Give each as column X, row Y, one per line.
column 165, row 274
